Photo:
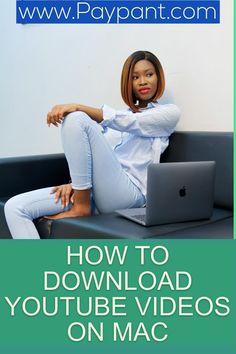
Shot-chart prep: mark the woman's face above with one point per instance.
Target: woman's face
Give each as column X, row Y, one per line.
column 144, row 81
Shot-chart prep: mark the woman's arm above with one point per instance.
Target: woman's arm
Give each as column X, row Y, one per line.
column 158, row 121
column 58, row 113
column 153, row 122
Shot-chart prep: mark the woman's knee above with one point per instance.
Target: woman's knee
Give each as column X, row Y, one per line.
column 76, row 120
column 13, row 207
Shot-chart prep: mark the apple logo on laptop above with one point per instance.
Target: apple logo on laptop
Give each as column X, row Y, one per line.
column 182, row 191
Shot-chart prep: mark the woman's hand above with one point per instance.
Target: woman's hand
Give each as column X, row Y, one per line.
column 65, row 193
column 58, row 113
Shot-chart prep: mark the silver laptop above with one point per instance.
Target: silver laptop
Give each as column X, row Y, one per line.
column 176, row 192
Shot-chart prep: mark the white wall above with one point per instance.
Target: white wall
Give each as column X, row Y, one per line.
column 43, row 65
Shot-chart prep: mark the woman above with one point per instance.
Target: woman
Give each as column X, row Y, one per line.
column 107, row 151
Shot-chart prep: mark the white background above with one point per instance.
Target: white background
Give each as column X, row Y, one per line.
column 44, row 65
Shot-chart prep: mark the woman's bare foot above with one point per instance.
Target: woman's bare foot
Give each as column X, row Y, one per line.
column 72, row 213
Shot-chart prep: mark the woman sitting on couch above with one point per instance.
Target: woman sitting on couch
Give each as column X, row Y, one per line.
column 107, row 151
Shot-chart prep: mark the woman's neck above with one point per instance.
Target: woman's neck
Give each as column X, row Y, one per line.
column 143, row 104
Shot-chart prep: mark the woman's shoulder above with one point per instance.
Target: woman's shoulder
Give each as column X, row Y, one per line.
column 169, row 112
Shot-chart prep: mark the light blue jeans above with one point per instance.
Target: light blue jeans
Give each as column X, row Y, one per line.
column 92, row 164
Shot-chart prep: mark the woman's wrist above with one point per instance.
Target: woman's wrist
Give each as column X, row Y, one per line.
column 77, row 107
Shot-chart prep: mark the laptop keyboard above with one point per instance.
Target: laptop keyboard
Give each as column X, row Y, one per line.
column 141, row 217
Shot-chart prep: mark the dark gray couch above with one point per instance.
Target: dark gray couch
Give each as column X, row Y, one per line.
column 22, row 174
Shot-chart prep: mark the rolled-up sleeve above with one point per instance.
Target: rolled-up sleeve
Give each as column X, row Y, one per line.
column 159, row 121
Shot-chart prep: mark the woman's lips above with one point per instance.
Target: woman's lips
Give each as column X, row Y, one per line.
column 143, row 91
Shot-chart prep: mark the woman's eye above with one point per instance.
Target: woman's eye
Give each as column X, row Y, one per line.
column 149, row 74
column 135, row 77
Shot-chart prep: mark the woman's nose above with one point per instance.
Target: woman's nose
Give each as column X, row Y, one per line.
column 142, row 80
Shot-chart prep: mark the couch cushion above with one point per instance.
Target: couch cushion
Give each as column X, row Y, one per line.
column 203, row 146
column 114, row 226
column 222, row 229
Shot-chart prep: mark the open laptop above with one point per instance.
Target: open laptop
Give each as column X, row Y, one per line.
column 176, row 192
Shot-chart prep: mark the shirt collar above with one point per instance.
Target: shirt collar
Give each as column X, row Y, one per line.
column 152, row 104
column 149, row 105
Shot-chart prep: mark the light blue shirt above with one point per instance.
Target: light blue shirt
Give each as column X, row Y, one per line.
column 139, row 138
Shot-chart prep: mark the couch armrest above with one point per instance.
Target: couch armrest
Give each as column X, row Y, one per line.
column 22, row 174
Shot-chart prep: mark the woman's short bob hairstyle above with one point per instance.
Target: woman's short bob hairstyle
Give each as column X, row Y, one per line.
column 127, row 78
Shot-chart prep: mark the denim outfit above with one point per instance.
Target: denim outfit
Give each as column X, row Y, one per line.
column 110, row 157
